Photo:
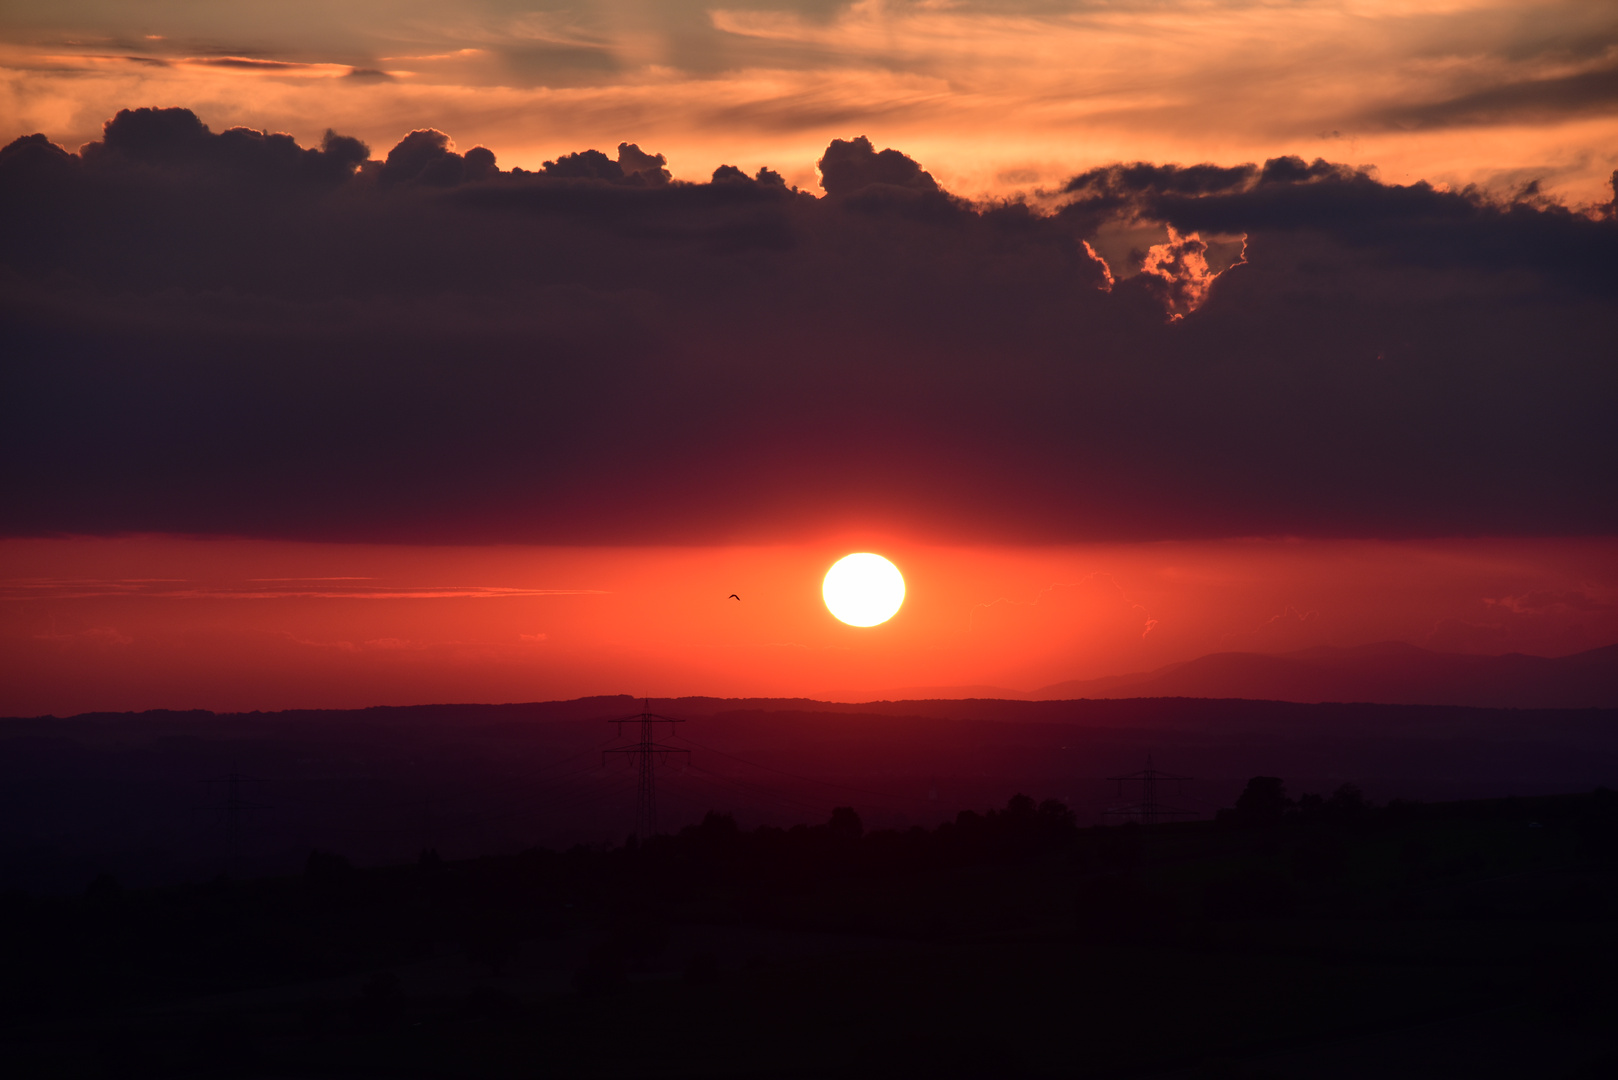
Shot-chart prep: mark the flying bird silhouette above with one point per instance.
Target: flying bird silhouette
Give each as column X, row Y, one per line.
column 733, row 596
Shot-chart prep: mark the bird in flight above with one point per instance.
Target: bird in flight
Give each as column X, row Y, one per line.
column 733, row 596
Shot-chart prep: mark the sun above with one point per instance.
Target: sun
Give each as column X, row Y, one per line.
column 863, row 589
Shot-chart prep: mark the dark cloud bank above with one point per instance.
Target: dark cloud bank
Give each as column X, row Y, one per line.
column 228, row 333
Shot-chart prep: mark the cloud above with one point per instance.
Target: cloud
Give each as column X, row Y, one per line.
column 234, row 65
column 1550, row 620
column 246, row 63
column 231, row 333
column 1415, row 225
column 1523, row 101
column 1546, row 602
column 176, row 141
column 1180, row 273
column 95, row 635
column 985, row 93
column 853, row 165
column 424, row 156
column 263, row 589
column 1286, row 630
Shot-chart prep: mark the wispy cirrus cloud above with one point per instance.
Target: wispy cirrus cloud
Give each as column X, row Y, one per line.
column 262, row 589
column 1547, row 99
column 94, row 635
column 237, row 65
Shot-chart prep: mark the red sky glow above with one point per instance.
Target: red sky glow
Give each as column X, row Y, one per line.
column 232, row 625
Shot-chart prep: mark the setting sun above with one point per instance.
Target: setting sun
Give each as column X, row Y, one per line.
column 863, row 589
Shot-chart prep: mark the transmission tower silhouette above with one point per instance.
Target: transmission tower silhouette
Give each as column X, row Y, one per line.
column 234, row 810
column 1148, row 811
column 647, row 753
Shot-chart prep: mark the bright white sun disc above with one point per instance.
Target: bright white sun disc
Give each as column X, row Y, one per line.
column 863, row 589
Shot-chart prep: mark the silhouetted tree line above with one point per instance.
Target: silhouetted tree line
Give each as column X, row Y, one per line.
column 109, row 944
column 1341, row 854
column 1264, row 802
column 842, row 846
column 1269, row 856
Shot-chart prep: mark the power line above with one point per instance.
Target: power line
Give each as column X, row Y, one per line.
column 450, row 823
column 234, row 809
column 752, row 791
column 527, row 780
column 795, row 776
column 703, row 795
column 583, row 796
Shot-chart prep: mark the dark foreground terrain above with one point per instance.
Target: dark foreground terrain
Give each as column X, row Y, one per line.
column 1321, row 937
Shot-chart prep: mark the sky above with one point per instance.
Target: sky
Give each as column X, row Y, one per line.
column 142, row 622
column 994, row 97
column 364, row 353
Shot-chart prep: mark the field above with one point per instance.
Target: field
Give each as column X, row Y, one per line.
column 1306, row 938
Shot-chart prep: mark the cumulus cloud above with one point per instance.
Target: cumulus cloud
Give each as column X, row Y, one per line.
column 853, row 165
column 232, row 333
column 1414, row 225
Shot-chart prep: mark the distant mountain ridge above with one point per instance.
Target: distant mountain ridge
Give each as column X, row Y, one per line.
column 1387, row 673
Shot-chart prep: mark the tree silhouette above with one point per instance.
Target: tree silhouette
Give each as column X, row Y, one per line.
column 845, row 824
column 1263, row 803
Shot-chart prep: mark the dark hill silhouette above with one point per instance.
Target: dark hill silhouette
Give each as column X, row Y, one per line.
column 1389, row 673
column 128, row 794
column 937, row 693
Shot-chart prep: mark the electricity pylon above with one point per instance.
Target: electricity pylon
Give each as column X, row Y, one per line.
column 234, row 809
column 648, row 751
column 1148, row 811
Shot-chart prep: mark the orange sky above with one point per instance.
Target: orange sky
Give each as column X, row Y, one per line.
column 991, row 97
column 161, row 622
